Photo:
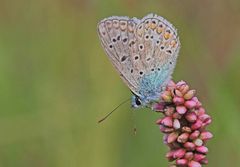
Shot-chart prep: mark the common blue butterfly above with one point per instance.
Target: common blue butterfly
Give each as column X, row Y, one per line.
column 144, row 52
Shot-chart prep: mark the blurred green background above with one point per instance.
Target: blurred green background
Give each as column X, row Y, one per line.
column 56, row 82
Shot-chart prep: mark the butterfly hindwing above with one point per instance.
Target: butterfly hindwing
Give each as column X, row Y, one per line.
column 144, row 51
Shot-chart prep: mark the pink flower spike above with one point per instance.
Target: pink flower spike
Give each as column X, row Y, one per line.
column 184, row 125
column 167, row 121
column 202, row 149
column 194, row 164
column 181, row 109
column 181, row 162
column 190, row 104
column 178, row 100
column 191, row 117
column 179, row 153
column 206, row 135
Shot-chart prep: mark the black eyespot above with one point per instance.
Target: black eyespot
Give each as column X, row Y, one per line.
column 169, row 51
column 110, row 46
column 154, row 22
column 170, row 62
column 141, row 47
column 151, row 37
column 148, row 58
column 160, row 25
column 136, row 57
column 141, row 73
column 118, row 38
column 123, row 58
column 158, row 69
column 168, row 31
column 125, row 40
column 158, row 42
column 114, row 40
column 131, row 71
column 137, row 101
column 147, row 37
column 152, row 69
column 162, row 47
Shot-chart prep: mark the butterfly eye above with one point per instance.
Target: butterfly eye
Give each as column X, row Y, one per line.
column 138, row 101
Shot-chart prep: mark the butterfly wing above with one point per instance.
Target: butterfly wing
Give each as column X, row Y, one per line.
column 143, row 51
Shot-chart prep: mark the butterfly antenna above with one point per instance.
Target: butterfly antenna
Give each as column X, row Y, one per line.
column 113, row 110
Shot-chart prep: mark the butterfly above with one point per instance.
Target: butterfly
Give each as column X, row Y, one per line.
column 143, row 51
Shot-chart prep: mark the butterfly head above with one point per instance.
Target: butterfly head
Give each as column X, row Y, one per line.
column 137, row 102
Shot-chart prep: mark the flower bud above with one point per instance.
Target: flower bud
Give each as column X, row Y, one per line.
column 188, row 155
column 159, row 121
column 183, row 138
column 198, row 157
column 189, row 94
column 189, row 146
column 181, row 162
column 177, row 93
column 202, row 149
column 165, row 129
column 204, row 161
column 172, row 137
column 181, row 109
column 184, row 89
column 169, row 111
column 196, row 125
column 191, row 117
column 194, row 164
column 169, row 156
column 176, row 115
column 178, row 100
column 186, row 129
column 167, row 121
column 194, row 135
column 200, row 111
column 198, row 142
column 158, row 107
column 206, row 135
column 179, row 153
column 190, row 104
column 166, row 96
column 176, row 124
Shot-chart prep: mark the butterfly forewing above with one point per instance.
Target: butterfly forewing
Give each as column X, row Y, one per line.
column 143, row 51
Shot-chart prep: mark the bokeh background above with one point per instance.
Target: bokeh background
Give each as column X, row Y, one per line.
column 56, row 82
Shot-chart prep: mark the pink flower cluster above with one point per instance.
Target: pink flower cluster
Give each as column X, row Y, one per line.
column 184, row 125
